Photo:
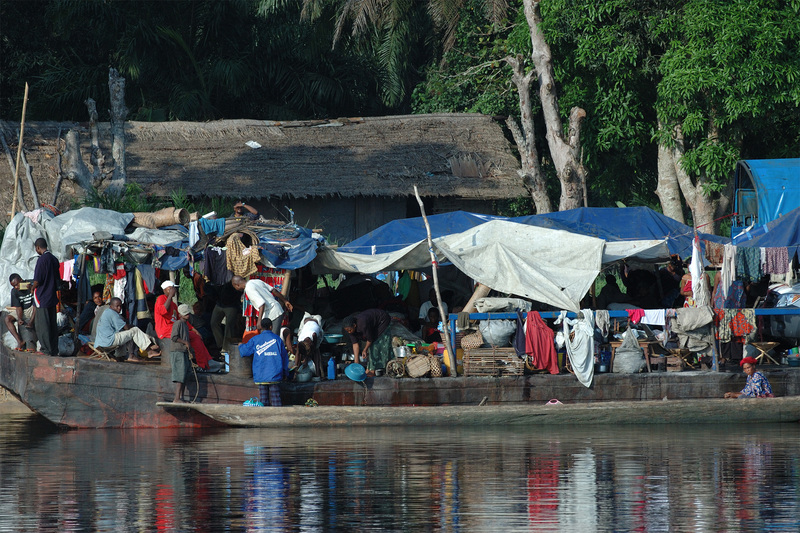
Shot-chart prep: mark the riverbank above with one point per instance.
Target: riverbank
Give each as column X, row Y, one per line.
column 10, row 405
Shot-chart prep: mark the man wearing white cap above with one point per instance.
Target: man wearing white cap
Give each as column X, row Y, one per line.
column 166, row 310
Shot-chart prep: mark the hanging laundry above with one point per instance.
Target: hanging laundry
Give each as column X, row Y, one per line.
column 215, row 265
column 776, row 260
column 539, row 344
column 728, row 268
column 194, row 233
column 635, row 315
column 241, row 259
column 148, row 274
column 748, row 263
column 65, row 271
column 580, row 345
column 654, row 317
column 715, row 252
column 212, row 227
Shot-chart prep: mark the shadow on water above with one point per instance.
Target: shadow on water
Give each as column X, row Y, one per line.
column 739, row 477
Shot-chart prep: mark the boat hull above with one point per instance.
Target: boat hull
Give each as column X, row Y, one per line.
column 749, row 411
column 87, row 393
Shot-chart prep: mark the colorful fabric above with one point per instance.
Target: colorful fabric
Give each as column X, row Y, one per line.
column 241, row 260
column 380, row 351
column 748, row 263
column 635, row 315
column 539, row 344
column 757, row 386
column 715, row 252
column 165, row 317
column 734, row 324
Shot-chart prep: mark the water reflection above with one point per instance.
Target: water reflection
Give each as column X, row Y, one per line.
column 570, row 479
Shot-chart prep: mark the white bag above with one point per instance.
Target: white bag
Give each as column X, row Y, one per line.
column 629, row 357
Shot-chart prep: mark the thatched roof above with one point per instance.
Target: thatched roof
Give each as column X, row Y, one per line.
column 454, row 155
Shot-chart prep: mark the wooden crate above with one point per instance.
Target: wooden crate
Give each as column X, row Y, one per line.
column 492, row 362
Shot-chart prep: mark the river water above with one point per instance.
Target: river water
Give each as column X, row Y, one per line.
column 713, row 478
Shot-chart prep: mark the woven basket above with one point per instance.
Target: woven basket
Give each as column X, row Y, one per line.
column 472, row 340
column 418, row 366
column 164, row 217
column 436, row 366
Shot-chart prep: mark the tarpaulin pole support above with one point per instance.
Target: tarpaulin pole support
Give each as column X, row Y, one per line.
column 450, row 349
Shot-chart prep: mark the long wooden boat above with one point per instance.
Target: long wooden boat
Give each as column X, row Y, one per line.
column 80, row 392
column 705, row 411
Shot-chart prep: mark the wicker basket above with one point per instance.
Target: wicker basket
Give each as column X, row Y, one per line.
column 492, row 362
column 418, row 366
column 436, row 366
column 472, row 340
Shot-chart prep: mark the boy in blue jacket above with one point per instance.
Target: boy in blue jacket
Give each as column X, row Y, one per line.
column 270, row 363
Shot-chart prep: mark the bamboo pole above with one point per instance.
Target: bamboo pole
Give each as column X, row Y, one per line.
column 19, row 151
column 449, row 350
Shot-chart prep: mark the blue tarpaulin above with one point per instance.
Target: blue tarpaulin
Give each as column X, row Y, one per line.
column 783, row 232
column 610, row 224
column 776, row 183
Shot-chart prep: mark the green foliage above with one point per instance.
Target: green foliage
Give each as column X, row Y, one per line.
column 730, row 74
column 131, row 201
column 472, row 77
column 517, row 207
column 183, row 59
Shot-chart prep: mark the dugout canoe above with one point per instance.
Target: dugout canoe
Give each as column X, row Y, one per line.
column 658, row 412
column 80, row 392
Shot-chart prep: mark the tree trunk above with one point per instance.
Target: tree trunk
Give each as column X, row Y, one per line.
column 668, row 190
column 564, row 152
column 116, row 86
column 75, row 169
column 525, row 137
column 705, row 209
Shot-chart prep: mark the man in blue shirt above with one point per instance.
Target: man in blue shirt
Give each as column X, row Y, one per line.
column 112, row 331
column 270, row 363
column 45, row 295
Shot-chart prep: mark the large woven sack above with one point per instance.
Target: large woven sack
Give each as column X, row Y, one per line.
column 418, row 366
column 629, row 357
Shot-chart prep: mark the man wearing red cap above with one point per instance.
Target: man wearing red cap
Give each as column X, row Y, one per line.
column 757, row 385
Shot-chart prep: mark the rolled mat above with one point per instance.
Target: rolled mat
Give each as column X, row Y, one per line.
column 163, row 217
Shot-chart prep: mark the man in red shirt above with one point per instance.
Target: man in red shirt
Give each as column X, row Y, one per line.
column 166, row 310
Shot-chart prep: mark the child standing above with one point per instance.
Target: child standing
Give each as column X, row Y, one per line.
column 270, row 363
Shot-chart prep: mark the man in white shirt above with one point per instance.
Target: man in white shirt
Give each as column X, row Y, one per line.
column 424, row 308
column 265, row 298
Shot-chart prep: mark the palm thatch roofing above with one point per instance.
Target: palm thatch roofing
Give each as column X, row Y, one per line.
column 454, row 155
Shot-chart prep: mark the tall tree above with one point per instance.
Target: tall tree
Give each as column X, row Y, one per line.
column 732, row 70
column 366, row 18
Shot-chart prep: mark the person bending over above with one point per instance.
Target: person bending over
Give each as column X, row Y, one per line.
column 24, row 313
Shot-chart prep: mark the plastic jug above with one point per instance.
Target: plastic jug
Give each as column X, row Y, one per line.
column 332, row 368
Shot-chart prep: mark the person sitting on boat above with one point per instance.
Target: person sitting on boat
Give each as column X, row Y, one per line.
column 430, row 328
column 264, row 297
column 757, row 385
column 372, row 328
column 113, row 332
column 431, row 304
column 270, row 363
column 241, row 209
column 25, row 311
column 88, row 311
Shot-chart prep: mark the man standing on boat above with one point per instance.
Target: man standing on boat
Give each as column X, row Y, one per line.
column 265, row 298
column 371, row 327
column 45, row 295
column 270, row 363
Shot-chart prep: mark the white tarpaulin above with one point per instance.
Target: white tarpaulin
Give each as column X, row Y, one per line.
column 549, row 266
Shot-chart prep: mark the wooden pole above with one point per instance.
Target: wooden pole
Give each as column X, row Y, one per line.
column 481, row 291
column 449, row 351
column 19, row 151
